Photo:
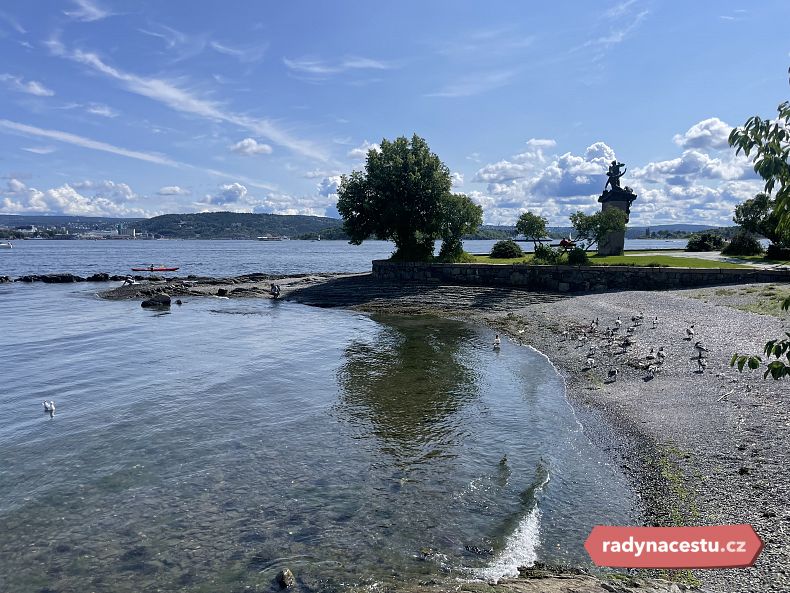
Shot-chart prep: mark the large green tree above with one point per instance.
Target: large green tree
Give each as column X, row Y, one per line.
column 399, row 197
column 532, row 226
column 758, row 216
column 591, row 229
column 460, row 216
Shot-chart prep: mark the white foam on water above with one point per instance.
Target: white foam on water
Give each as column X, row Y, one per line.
column 521, row 546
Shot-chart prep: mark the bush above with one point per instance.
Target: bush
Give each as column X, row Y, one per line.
column 507, row 249
column 578, row 257
column 704, row 242
column 546, row 255
column 743, row 244
column 779, row 252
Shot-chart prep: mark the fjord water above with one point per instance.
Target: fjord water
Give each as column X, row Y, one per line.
column 209, row 447
column 218, row 258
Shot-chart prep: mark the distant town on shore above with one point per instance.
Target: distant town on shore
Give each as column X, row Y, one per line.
column 234, row 225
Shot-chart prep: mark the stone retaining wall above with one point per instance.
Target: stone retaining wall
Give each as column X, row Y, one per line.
column 572, row 278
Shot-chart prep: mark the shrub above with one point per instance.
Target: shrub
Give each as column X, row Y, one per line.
column 506, row 249
column 546, row 255
column 780, row 252
column 578, row 257
column 743, row 244
column 704, row 242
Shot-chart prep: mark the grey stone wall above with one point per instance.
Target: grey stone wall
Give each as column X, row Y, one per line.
column 572, row 278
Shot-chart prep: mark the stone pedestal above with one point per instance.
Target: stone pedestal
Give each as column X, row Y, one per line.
column 613, row 243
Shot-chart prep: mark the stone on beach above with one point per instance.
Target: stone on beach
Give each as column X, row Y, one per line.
column 157, row 301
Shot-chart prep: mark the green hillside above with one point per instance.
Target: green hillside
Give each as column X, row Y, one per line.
column 233, row 225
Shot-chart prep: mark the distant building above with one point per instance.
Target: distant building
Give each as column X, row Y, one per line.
column 125, row 232
column 28, row 229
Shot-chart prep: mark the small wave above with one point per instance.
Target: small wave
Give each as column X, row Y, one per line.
column 521, row 546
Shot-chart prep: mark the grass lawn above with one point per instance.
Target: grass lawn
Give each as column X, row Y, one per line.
column 629, row 260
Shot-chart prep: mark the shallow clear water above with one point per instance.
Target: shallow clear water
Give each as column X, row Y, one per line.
column 216, row 258
column 208, row 447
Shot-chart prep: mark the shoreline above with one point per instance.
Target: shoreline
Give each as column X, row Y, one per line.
column 692, row 443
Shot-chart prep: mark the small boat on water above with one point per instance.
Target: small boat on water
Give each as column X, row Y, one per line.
column 272, row 238
column 6, row 245
column 154, row 268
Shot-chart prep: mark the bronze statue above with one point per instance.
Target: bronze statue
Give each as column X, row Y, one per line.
column 614, row 175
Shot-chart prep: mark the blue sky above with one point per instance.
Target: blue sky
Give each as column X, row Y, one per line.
column 140, row 108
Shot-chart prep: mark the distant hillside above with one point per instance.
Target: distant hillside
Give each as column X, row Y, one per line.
column 15, row 220
column 233, row 225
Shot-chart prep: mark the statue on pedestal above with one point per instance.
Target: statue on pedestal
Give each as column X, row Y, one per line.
column 616, row 197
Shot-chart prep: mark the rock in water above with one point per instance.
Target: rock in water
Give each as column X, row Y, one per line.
column 222, row 292
column 157, row 301
column 285, row 578
column 99, row 277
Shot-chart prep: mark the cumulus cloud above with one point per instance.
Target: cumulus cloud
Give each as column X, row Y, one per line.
column 85, row 198
column 250, row 147
column 31, row 87
column 457, row 179
column 361, row 152
column 693, row 165
column 328, row 186
column 709, row 134
column 229, row 195
column 172, row 190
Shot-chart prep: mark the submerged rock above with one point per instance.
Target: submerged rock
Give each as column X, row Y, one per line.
column 4, row 279
column 285, row 579
column 157, row 301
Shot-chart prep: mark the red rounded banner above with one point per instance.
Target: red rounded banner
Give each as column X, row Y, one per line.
column 714, row 546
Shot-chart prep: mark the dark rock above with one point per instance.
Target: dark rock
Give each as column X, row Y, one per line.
column 158, row 301
column 285, row 579
column 4, row 279
column 60, row 278
column 99, row 277
column 222, row 292
column 178, row 302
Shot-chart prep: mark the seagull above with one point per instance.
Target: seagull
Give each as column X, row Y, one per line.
column 700, row 347
column 651, row 370
column 618, row 322
column 612, row 374
column 655, row 322
column 497, row 342
column 690, row 332
column 637, row 319
column 46, row 406
column 661, row 355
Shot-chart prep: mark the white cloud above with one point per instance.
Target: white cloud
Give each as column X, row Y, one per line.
column 361, row 151
column 231, row 195
column 475, row 84
column 183, row 101
column 87, row 11
column 86, row 198
column 457, row 179
column 31, row 87
column 172, row 190
column 40, row 149
column 89, row 143
column 328, row 186
column 102, row 110
column 250, row 147
column 242, row 54
column 693, row 165
column 709, row 134
column 317, row 69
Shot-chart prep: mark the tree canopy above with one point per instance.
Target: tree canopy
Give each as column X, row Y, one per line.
column 758, row 216
column 404, row 196
column 591, row 229
column 532, row 226
column 769, row 142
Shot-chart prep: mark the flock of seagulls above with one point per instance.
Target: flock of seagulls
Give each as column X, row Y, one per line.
column 616, row 342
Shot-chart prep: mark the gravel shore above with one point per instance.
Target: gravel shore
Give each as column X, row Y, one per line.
column 702, row 445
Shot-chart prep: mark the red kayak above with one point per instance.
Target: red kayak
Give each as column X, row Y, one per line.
column 154, row 269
